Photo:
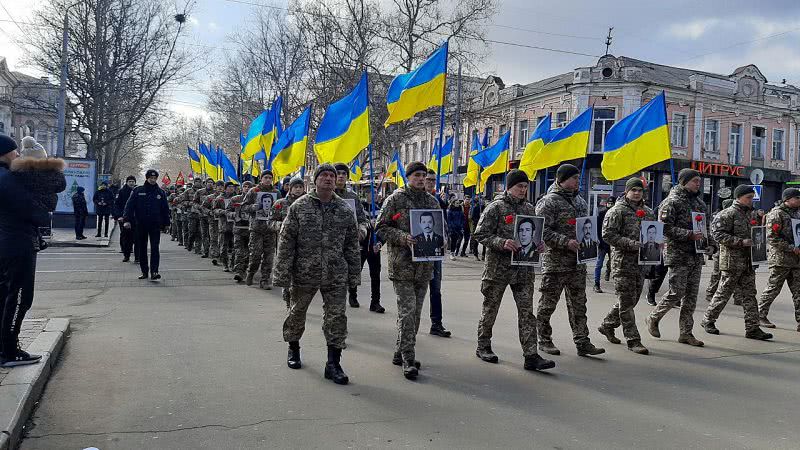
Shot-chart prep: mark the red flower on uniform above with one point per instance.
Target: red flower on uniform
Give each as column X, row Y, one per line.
column 572, row 221
column 236, row 205
column 255, row 189
column 776, row 227
column 397, row 217
column 509, row 218
column 278, row 206
column 753, row 221
column 640, row 213
column 698, row 218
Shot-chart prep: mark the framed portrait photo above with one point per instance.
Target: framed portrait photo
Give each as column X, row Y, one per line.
column 651, row 238
column 351, row 203
column 427, row 229
column 528, row 234
column 699, row 224
column 758, row 252
column 264, row 202
column 586, row 232
column 796, row 232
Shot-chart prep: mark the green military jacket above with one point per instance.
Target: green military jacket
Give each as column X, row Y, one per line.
column 780, row 237
column 495, row 227
column 622, row 228
column 361, row 216
column 560, row 208
column 279, row 211
column 250, row 207
column 676, row 213
column 730, row 228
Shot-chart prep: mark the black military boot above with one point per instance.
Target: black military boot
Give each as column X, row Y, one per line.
column 333, row 370
column 437, row 329
column 293, row 360
column 758, row 334
column 352, row 298
column 238, row 278
column 652, row 327
column 709, row 327
column 485, row 353
column 638, row 348
column 549, row 348
column 397, row 360
column 588, row 349
column 375, row 306
column 249, row 280
column 410, row 370
column 536, row 362
column 214, row 261
column 609, row 334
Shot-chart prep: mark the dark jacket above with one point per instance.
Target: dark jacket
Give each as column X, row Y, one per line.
column 600, row 218
column 19, row 221
column 122, row 199
column 475, row 213
column 103, row 201
column 79, row 207
column 43, row 178
column 455, row 219
column 147, row 207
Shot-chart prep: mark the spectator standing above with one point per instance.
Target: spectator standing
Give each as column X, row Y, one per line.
column 147, row 208
column 126, row 235
column 80, row 211
column 455, row 226
column 467, row 226
column 103, row 200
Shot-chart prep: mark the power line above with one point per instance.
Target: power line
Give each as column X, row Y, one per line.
column 742, row 43
column 11, row 17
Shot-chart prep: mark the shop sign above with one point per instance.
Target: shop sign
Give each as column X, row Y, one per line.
column 723, row 170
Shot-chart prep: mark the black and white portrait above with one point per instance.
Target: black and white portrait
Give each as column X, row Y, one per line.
column 651, row 239
column 586, row 232
column 758, row 252
column 427, row 229
column 699, row 224
column 264, row 203
column 351, row 203
column 796, row 232
column 528, row 234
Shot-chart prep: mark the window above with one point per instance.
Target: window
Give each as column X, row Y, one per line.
column 604, row 118
column 540, row 119
column 415, row 152
column 777, row 145
column 490, row 134
column 757, row 143
column 561, row 119
column 425, row 150
column 711, row 140
column 523, row 133
column 680, row 129
column 503, row 129
column 735, row 144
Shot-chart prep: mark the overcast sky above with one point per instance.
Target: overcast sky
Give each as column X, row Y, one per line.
column 710, row 35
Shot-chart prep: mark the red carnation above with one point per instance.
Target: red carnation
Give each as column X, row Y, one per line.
column 753, row 221
column 236, row 205
column 776, row 227
column 509, row 218
column 698, row 218
column 278, row 206
column 572, row 221
column 640, row 213
column 397, row 217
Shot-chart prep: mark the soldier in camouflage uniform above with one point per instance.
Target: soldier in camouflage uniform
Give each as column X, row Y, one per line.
column 713, row 283
column 262, row 238
column 410, row 279
column 342, row 175
column 560, row 269
column 179, row 226
column 622, row 228
column 683, row 262
column 731, row 228
column 225, row 226
column 171, row 194
column 296, row 188
column 784, row 257
column 495, row 230
column 241, row 233
column 319, row 251
column 203, row 212
column 213, row 223
column 194, row 216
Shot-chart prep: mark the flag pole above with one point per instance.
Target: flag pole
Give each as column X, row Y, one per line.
column 586, row 153
column 372, row 190
column 441, row 121
column 671, row 162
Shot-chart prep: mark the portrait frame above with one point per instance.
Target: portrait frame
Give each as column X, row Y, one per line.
column 649, row 256
column 521, row 257
column 263, row 213
column 758, row 251
column 588, row 248
column 795, row 235
column 700, row 246
column 427, row 250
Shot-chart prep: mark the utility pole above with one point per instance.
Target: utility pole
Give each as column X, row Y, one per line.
column 608, row 39
column 62, row 89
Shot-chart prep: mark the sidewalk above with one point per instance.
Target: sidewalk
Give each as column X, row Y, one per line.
column 65, row 237
column 21, row 387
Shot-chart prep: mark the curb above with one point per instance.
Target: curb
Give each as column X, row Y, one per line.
column 104, row 242
column 24, row 385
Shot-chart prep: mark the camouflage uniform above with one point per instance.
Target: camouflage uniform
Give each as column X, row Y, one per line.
column 279, row 211
column 213, row 224
column 560, row 269
column 262, row 239
column 730, row 228
column 410, row 279
column 621, row 229
column 225, row 229
column 784, row 264
column 492, row 231
column 318, row 246
column 361, row 218
column 205, row 241
column 684, row 263
column 195, row 230
column 173, row 219
column 713, row 282
column 241, row 237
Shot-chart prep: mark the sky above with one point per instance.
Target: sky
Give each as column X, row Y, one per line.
column 710, row 35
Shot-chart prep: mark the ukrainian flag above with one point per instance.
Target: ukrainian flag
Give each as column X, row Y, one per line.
column 290, row 150
column 540, row 137
column 637, row 141
column 494, row 159
column 446, row 155
column 252, row 143
column 344, row 130
column 418, row 90
column 208, row 160
column 396, row 171
column 194, row 160
column 252, row 167
column 355, row 171
column 272, row 130
column 567, row 143
column 473, row 169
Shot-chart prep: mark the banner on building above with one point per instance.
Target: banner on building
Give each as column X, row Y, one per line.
column 78, row 172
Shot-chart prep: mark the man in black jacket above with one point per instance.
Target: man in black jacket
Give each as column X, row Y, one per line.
column 80, row 212
column 147, row 207
column 103, row 201
column 126, row 235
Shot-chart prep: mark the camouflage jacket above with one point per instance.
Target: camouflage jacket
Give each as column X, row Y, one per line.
column 730, row 228
column 394, row 226
column 185, row 202
column 250, row 207
column 560, row 208
column 318, row 245
column 622, row 228
column 780, row 236
column 279, row 211
column 219, row 211
column 361, row 216
column 494, row 228
column 206, row 201
column 233, row 207
column 676, row 213
column 197, row 202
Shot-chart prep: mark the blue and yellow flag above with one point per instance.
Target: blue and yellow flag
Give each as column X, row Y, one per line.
column 446, row 155
column 637, row 141
column 355, row 171
column 494, row 160
column 344, row 130
column 473, row 169
column 396, row 171
column 208, row 161
column 194, row 160
column 272, row 130
column 252, row 167
column 228, row 170
column 419, row 89
column 252, row 143
column 540, row 137
column 570, row 142
column 290, row 150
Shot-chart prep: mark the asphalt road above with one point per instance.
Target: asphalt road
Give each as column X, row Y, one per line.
column 196, row 362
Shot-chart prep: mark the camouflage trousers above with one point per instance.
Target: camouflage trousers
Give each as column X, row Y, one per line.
column 523, row 296
column 628, row 287
column 684, row 282
column 226, row 248
column 574, row 286
column 205, row 237
column 194, row 234
column 713, row 283
column 287, row 297
column 262, row 253
column 410, row 297
column 185, row 230
column 741, row 284
column 334, row 319
column 173, row 225
column 213, row 236
column 179, row 230
column 241, row 240
column 777, row 276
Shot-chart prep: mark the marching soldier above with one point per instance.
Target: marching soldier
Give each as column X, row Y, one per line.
column 199, row 199
column 225, row 226
column 241, row 233
column 713, row 282
column 784, row 257
column 680, row 257
column 193, row 225
column 296, row 188
column 342, row 175
column 213, row 223
column 179, row 218
column 622, row 227
column 410, row 279
column 495, row 230
column 319, row 251
column 173, row 219
column 560, row 269
column 731, row 229
column 262, row 238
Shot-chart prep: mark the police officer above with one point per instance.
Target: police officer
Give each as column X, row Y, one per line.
column 308, row 266
column 148, row 209
column 262, row 238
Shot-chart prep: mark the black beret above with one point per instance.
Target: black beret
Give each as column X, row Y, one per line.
column 266, row 172
column 566, row 171
column 687, row 174
column 514, row 177
column 743, row 189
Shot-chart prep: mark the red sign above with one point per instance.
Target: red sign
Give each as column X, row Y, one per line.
column 179, row 181
column 166, row 180
column 724, row 170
